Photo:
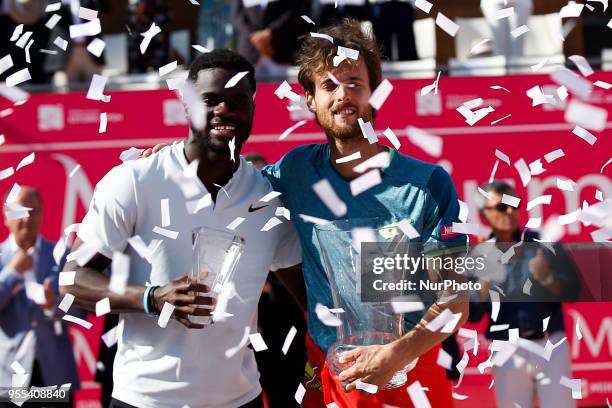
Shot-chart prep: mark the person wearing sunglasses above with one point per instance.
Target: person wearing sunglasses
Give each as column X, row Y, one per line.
column 526, row 376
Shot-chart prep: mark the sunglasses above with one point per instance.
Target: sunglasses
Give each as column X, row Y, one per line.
column 501, row 207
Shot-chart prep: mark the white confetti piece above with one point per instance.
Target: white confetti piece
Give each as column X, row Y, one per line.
column 571, row 10
column 495, row 122
column 367, row 130
column 426, row 90
column 103, row 122
column 165, row 315
column 326, row 193
column 66, row 278
column 110, row 337
column 23, row 40
column 86, row 29
column 567, row 185
column 566, row 219
column 165, row 212
column 390, row 135
column 18, row 77
column 511, row 200
column 258, row 342
column 587, row 116
column 430, row 143
column 29, row 159
column 120, row 271
column 554, row 155
column 468, row 228
column 585, row 135
column 284, row 91
column 503, row 13
column 440, row 321
column 380, row 160
column 27, row 51
column 502, row 156
column 168, row 68
column 53, row 7
column 17, row 32
column 83, row 254
column 271, row 223
column 600, row 84
column 498, row 87
column 369, row 388
column 380, row 94
column 523, row 171
column 417, row 395
column 87, row 14
column 351, row 157
column 270, row 196
column 289, row 339
column 582, row 64
column 517, row 32
column 165, row 232
column 148, row 36
column 407, row 307
column 66, row 302
column 232, row 147
column 193, row 100
column 73, row 319
column 13, row 93
column 299, row 394
column 52, row 22
column 573, row 384
column 130, row 154
column 446, row 24
column 534, row 223
column 235, row 79
column 495, row 304
column 574, row 83
column 290, row 130
column 598, row 195
column 444, row 359
column 344, row 53
column 499, row 327
column 459, row 397
column 326, row 317
column 313, row 220
column 423, row 5
column 365, row 182
column 562, row 92
column 408, row 229
column 96, row 89
column 199, row 48
column 283, row 212
column 308, row 20
column 235, row 223
column 6, row 63
column 18, row 368
column 103, row 307
column 323, row 36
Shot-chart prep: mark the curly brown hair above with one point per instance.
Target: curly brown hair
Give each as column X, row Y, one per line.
column 317, row 54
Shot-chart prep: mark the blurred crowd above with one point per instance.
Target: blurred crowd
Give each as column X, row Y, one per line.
column 267, row 32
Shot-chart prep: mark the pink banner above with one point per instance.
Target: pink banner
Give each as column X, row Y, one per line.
column 71, row 156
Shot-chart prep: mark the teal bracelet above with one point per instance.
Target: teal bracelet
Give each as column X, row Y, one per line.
column 145, row 300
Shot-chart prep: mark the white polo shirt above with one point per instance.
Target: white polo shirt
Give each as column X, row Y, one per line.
column 176, row 366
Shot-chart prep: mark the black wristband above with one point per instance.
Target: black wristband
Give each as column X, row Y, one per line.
column 151, row 303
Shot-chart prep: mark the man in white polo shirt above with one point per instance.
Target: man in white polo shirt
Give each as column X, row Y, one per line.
column 174, row 367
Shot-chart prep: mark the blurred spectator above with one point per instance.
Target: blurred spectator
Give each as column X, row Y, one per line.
column 30, row 13
column 277, row 313
column 215, row 24
column 141, row 15
column 325, row 12
column 28, row 304
column 392, row 22
column 267, row 32
column 517, row 381
column 503, row 42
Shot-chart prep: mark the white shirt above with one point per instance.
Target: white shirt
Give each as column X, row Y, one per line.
column 176, row 366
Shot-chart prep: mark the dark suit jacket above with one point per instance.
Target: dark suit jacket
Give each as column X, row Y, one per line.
column 280, row 16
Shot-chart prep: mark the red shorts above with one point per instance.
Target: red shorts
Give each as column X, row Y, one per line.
column 322, row 388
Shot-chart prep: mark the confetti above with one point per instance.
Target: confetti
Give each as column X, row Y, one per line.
column 523, row 171
column 18, row 77
column 258, row 342
column 407, row 307
column 66, row 302
column 573, row 384
column 88, row 29
column 586, row 116
column 569, row 218
column 299, row 393
column 53, row 7
column 444, row 359
column 271, row 223
column 380, row 160
column 534, row 223
column 103, row 307
column 502, row 156
column 148, row 36
column 165, row 315
column 392, row 138
column 234, row 224
column 498, row 87
column 426, row 90
column 571, row 10
column 270, row 196
column 326, row 317
column 17, row 32
column 66, row 278
column 504, row 13
column 308, row 20
column 96, row 89
column 431, row 144
column 120, row 271
column 199, row 48
column 103, row 122
column 423, row 5
column 446, row 24
column 130, row 154
column 380, row 94
column 76, row 320
column 365, row 182
column 110, row 337
column 554, row 155
column 567, row 185
column 313, row 220
column 289, row 339
column 543, row 199
column 29, row 159
column 165, row 232
column 351, row 157
column 408, row 229
column 24, row 39
column 369, row 388
column 500, row 119
column 52, row 22
column 417, row 395
column 517, row 32
column 585, row 135
column 538, row 97
column 440, row 321
column 284, row 91
column 88, row 14
column 576, row 84
column 600, row 84
column 166, row 69
column 235, row 79
column 290, row 130
column 582, row 64
column 495, row 304
column 535, row 168
column 232, row 147
column 344, row 53
column 323, row 36
column 6, row 63
column 283, row 212
column 367, row 130
column 61, row 43
column 511, row 200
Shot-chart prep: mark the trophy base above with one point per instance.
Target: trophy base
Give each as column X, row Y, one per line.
column 365, row 339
